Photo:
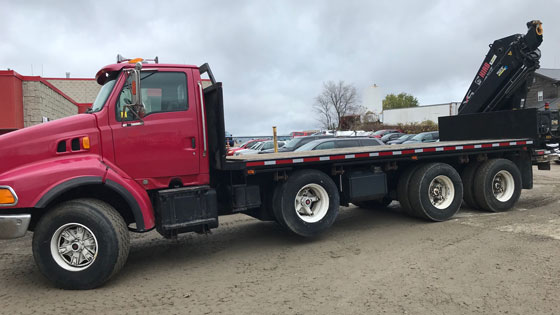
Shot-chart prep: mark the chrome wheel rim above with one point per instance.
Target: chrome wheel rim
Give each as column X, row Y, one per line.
column 74, row 247
column 503, row 186
column 441, row 192
column 312, row 203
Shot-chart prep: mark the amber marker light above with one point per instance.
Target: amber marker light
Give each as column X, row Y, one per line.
column 135, row 60
column 414, row 157
column 7, row 197
column 85, row 143
column 251, row 172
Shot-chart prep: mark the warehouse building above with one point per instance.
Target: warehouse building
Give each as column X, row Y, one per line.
column 419, row 113
column 29, row 100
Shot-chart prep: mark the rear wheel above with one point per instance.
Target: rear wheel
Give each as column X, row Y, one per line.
column 403, row 188
column 436, row 192
column 497, row 185
column 467, row 176
column 307, row 203
column 81, row 244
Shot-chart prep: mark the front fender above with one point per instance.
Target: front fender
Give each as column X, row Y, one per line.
column 39, row 183
column 32, row 181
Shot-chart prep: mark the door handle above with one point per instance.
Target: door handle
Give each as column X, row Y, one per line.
column 193, row 143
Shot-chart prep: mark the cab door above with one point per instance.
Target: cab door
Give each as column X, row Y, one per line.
column 163, row 145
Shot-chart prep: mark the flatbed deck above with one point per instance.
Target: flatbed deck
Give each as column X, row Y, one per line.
column 283, row 158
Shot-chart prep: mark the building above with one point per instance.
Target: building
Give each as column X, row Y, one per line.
column 372, row 100
column 419, row 114
column 545, row 89
column 29, row 100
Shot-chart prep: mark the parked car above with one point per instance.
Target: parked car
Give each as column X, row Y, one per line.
column 382, row 132
column 391, row 136
column 295, row 143
column 336, row 143
column 245, row 145
column 401, row 139
column 265, row 145
column 430, row 136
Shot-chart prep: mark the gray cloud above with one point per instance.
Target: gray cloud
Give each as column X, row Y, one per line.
column 274, row 55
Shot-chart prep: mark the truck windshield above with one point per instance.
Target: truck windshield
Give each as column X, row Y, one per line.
column 102, row 96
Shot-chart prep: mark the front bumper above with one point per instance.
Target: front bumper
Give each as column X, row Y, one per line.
column 14, row 225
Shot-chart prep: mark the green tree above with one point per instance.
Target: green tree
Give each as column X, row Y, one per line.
column 403, row 100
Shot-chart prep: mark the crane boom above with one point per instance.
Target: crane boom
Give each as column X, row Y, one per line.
column 503, row 79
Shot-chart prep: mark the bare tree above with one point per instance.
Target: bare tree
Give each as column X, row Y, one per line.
column 323, row 107
column 337, row 100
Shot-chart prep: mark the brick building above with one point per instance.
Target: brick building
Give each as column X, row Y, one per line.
column 29, row 100
column 545, row 88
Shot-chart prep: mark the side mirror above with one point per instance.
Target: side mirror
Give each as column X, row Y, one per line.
column 136, row 108
column 135, row 88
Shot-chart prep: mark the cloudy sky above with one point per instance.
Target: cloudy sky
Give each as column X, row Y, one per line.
column 273, row 56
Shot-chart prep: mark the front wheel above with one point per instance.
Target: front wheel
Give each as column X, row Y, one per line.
column 81, row 244
column 307, row 203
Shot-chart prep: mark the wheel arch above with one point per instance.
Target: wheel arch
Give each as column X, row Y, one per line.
column 92, row 187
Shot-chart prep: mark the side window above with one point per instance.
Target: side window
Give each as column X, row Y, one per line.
column 268, row 145
column 306, row 140
column 161, row 92
column 369, row 142
column 347, row 144
column 325, row 145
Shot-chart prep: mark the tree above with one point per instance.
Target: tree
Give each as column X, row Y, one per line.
column 335, row 101
column 403, row 100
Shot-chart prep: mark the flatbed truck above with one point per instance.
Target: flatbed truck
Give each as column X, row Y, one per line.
column 150, row 154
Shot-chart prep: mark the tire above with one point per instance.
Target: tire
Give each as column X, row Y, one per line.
column 306, row 185
column 403, row 187
column 374, row 204
column 500, row 172
column 277, row 192
column 467, row 176
column 435, row 192
column 104, row 235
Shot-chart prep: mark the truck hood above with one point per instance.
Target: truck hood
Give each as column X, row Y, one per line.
column 40, row 142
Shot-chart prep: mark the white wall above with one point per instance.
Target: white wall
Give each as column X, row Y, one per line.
column 419, row 114
column 372, row 99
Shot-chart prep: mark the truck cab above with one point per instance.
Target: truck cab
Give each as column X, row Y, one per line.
column 167, row 126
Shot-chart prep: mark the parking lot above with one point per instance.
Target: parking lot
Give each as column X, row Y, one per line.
column 369, row 262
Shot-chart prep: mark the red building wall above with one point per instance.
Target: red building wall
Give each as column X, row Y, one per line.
column 11, row 101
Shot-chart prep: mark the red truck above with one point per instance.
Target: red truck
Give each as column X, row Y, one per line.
column 150, row 154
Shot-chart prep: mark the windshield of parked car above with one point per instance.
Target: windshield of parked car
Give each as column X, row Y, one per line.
column 246, row 143
column 102, row 95
column 254, row 145
column 419, row 136
column 309, row 146
column 405, row 137
column 257, row 146
column 293, row 143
